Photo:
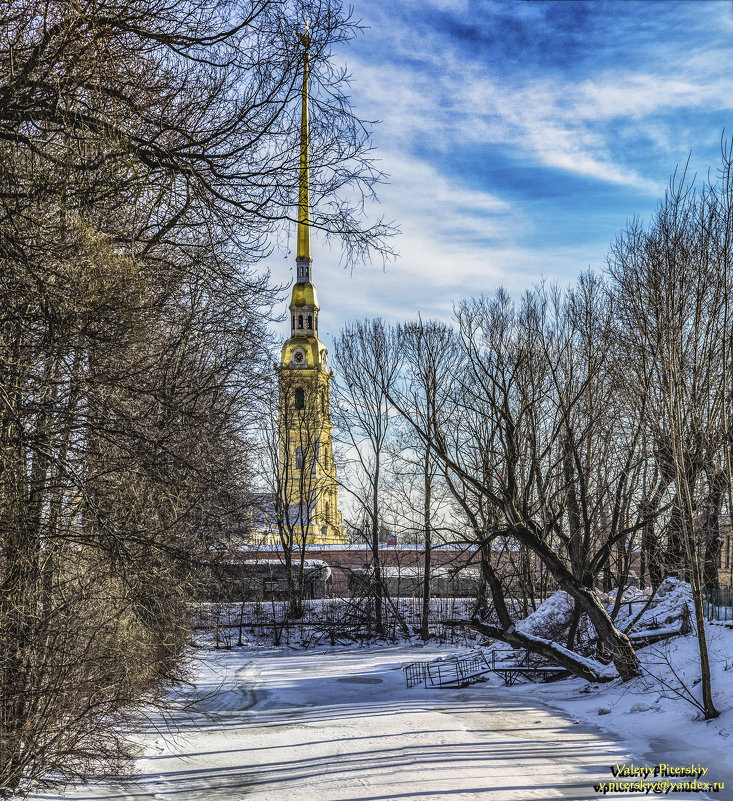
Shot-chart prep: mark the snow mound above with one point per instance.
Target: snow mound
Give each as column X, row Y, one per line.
column 552, row 620
column 672, row 603
column 555, row 612
column 670, row 611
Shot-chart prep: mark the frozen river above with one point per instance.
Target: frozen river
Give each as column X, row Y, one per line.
column 341, row 726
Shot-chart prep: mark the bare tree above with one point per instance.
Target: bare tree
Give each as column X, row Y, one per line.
column 673, row 293
column 513, row 378
column 367, row 363
column 147, row 155
column 297, row 469
column 429, row 358
column 119, row 454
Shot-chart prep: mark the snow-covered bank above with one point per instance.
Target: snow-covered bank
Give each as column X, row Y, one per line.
column 339, row 725
column 651, row 718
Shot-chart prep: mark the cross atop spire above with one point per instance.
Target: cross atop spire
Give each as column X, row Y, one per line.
column 303, row 256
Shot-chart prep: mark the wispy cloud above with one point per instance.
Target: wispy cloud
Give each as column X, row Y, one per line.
column 518, row 137
column 562, row 125
column 436, row 88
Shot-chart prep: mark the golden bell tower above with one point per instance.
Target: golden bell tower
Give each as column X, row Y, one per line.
column 308, row 484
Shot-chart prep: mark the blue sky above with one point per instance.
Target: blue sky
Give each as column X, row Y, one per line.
column 519, row 136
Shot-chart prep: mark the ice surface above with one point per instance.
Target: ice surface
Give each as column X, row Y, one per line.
column 339, row 725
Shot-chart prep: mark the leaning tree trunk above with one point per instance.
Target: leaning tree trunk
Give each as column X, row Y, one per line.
column 618, row 644
column 506, row 632
column 579, row 666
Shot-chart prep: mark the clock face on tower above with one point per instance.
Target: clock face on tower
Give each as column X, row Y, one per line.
column 298, row 357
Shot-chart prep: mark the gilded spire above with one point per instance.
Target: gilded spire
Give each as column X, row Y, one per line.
column 304, row 235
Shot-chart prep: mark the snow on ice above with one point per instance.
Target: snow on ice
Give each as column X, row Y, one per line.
column 338, row 724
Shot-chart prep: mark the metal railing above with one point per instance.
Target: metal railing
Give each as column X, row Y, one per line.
column 718, row 605
column 459, row 670
column 331, row 618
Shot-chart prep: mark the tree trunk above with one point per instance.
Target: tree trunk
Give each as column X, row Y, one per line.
column 427, row 487
column 618, row 644
column 507, row 632
column 376, row 562
column 577, row 665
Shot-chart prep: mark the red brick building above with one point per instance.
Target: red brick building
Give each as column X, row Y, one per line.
column 345, row 559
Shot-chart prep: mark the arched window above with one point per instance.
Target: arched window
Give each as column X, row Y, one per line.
column 300, row 321
column 323, row 403
column 299, row 458
column 293, row 321
column 299, row 398
column 310, row 321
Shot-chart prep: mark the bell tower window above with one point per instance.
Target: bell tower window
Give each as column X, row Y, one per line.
column 299, row 398
column 300, row 321
column 310, row 322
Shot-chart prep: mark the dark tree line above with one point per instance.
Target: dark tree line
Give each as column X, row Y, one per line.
column 148, row 153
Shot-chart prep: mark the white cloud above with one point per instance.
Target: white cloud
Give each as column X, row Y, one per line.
column 455, row 243
column 556, row 122
column 459, row 241
column 443, row 250
column 461, row 6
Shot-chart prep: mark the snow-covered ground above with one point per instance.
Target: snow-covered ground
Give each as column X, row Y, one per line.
column 648, row 713
column 339, row 725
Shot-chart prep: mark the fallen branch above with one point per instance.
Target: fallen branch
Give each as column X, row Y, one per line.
column 581, row 666
column 637, row 618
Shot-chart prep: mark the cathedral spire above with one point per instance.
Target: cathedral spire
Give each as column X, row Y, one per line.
column 308, row 486
column 303, row 256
